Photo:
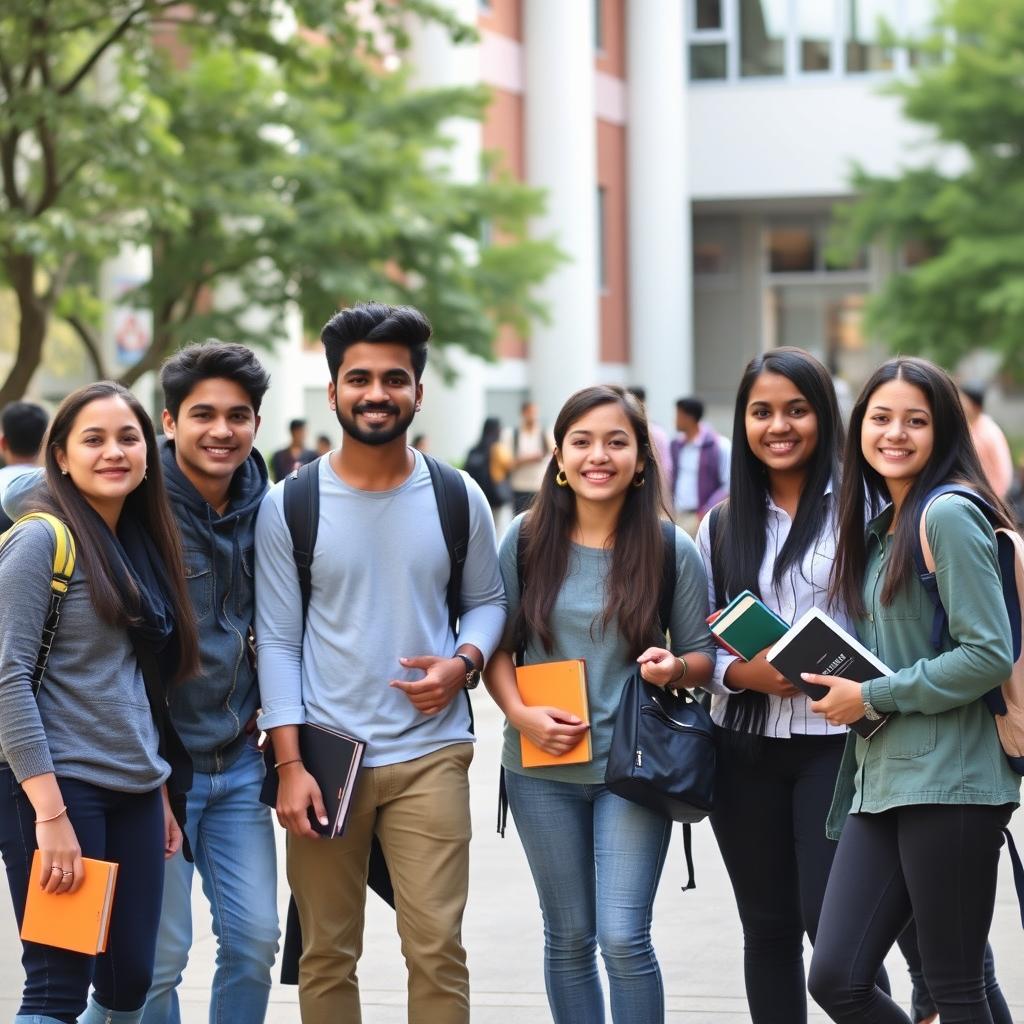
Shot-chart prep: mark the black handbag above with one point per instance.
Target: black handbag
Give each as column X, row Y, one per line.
column 663, row 751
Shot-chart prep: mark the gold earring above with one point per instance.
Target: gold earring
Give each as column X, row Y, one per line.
column 561, row 479
column 638, row 479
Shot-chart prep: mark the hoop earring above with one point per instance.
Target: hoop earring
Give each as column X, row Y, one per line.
column 638, row 480
column 561, row 479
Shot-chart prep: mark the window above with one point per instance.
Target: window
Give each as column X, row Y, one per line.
column 708, row 62
column 715, row 243
column 815, row 29
column 708, row 35
column 763, row 37
column 602, row 247
column 792, row 248
column 864, row 26
column 707, row 15
column 599, row 25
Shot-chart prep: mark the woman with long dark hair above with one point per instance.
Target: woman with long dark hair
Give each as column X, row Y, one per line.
column 86, row 766
column 592, row 552
column 921, row 805
column 777, row 760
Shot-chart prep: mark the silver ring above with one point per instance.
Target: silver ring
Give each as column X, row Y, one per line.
column 56, row 867
column 66, row 873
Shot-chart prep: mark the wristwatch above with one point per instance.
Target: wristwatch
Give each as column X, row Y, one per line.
column 870, row 713
column 472, row 672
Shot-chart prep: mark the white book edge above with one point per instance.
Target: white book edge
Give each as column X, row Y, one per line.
column 816, row 613
column 726, row 619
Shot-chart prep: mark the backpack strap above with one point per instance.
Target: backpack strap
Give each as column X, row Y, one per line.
column 667, row 593
column 717, row 583
column 60, row 578
column 302, row 514
column 453, row 511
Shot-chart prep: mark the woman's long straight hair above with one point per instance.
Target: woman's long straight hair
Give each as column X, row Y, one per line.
column 147, row 503
column 634, row 583
column 954, row 459
column 741, row 532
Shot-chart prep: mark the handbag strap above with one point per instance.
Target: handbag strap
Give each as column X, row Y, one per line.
column 688, row 852
column 60, row 578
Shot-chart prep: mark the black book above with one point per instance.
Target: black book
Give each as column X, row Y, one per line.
column 333, row 759
column 816, row 643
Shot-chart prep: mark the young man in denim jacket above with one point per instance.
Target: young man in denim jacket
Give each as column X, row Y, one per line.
column 216, row 480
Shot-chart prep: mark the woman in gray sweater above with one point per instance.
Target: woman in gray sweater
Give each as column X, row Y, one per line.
column 89, row 766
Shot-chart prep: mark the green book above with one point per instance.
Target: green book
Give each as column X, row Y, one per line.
column 747, row 625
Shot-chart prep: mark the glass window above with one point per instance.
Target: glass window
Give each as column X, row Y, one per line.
column 602, row 202
column 919, row 23
column 815, row 27
column 762, row 37
column 599, row 25
column 714, row 246
column 864, row 22
column 707, row 61
column 708, row 15
column 792, row 249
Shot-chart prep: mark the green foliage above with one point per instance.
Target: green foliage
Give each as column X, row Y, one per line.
column 969, row 293
column 265, row 168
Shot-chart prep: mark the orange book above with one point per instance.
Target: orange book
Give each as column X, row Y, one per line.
column 556, row 684
column 79, row 921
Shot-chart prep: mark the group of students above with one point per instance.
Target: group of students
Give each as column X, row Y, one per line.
column 860, row 844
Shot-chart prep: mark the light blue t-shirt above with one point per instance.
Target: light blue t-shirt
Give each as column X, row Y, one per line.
column 380, row 572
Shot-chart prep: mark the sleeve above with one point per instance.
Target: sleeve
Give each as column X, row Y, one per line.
column 688, row 627
column 279, row 628
column 18, row 494
column 508, row 562
column 723, row 659
column 26, row 567
column 483, row 597
column 967, row 572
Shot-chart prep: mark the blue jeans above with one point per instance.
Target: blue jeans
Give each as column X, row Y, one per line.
column 124, row 827
column 232, row 838
column 596, row 860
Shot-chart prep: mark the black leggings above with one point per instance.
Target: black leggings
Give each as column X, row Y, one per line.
column 771, row 802
column 934, row 862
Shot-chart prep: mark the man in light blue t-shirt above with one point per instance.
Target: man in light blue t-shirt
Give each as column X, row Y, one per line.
column 377, row 660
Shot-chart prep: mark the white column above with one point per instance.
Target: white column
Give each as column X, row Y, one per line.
column 660, row 272
column 453, row 412
column 561, row 158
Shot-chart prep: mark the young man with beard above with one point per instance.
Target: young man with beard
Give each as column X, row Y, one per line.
column 215, row 481
column 377, row 660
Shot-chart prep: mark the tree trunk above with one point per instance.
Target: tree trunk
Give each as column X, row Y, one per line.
column 34, row 318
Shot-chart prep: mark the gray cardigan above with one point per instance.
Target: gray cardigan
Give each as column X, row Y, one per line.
column 92, row 721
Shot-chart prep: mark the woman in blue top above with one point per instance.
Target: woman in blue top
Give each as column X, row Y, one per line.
column 592, row 551
column 920, row 805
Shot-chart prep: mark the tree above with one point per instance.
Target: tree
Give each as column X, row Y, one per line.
column 262, row 168
column 969, row 291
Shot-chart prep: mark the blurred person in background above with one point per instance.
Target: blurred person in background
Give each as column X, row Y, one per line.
column 24, row 426
column 295, row 455
column 660, row 444
column 489, row 463
column 420, row 442
column 700, row 465
column 323, row 444
column 531, row 448
column 989, row 439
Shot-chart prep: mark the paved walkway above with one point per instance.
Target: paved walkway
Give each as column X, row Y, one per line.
column 696, row 934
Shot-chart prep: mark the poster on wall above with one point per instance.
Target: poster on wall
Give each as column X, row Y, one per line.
column 131, row 325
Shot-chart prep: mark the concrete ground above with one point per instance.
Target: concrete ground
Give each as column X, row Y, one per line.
column 696, row 933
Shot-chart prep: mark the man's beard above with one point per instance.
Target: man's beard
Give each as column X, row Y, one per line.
column 375, row 435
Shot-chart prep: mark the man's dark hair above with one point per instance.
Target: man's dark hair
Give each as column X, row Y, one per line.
column 195, row 363
column 975, row 391
column 294, row 425
column 692, row 407
column 639, row 393
column 376, row 322
column 24, row 426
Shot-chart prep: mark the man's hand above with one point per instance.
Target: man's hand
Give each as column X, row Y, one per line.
column 443, row 679
column 297, row 791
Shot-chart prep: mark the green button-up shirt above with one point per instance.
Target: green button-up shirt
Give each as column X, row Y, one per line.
column 940, row 746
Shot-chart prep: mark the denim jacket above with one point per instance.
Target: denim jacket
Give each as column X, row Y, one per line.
column 940, row 746
column 211, row 710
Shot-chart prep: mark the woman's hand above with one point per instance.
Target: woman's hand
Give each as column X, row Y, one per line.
column 60, row 857
column 760, row 675
column 844, row 703
column 661, row 668
column 172, row 830
column 555, row 731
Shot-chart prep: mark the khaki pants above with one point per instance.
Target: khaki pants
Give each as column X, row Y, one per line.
column 420, row 811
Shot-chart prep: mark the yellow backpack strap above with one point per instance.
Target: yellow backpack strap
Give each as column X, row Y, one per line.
column 60, row 578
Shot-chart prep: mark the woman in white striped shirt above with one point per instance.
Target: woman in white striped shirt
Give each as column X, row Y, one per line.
column 775, row 535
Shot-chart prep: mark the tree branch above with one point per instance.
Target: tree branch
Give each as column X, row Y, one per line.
column 9, row 166
column 90, row 343
column 59, row 279
column 101, row 47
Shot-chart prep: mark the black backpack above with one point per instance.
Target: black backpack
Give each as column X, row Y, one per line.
column 302, row 514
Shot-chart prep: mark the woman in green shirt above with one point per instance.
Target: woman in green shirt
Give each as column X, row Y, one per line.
column 922, row 804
